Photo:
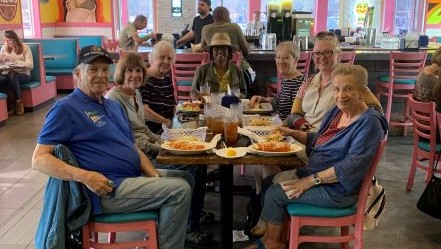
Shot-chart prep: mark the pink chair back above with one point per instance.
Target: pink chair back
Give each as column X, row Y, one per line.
column 344, row 222
column 347, row 57
column 424, row 128
column 406, row 65
column 183, row 71
column 303, row 63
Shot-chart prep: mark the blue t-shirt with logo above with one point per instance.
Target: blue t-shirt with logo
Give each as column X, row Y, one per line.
column 98, row 134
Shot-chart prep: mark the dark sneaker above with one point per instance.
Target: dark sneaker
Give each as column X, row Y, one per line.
column 206, row 217
column 198, row 237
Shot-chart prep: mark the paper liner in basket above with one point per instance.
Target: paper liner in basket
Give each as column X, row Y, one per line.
column 177, row 134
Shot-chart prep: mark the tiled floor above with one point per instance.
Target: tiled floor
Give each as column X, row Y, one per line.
column 21, row 191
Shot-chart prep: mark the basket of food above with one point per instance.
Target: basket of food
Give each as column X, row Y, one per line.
column 198, row 134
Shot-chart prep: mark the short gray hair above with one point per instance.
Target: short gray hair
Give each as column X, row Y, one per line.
column 159, row 46
column 357, row 71
column 291, row 47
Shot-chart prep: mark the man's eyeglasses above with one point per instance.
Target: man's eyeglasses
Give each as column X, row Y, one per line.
column 326, row 54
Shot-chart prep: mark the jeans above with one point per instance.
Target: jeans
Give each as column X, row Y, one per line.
column 13, row 81
column 171, row 196
column 276, row 201
column 199, row 173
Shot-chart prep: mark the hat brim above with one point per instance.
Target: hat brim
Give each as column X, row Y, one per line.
column 91, row 58
column 207, row 48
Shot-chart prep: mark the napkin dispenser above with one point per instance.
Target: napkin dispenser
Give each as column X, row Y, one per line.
column 227, row 100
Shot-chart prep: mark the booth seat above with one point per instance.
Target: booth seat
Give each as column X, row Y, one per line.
column 41, row 89
column 3, row 109
column 87, row 40
column 60, row 58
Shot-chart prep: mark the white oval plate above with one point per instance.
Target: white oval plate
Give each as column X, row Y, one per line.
column 240, row 152
column 294, row 148
column 207, row 147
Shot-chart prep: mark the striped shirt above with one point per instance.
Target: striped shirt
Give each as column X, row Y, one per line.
column 285, row 97
column 158, row 94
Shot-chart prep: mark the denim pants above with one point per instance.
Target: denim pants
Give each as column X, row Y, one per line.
column 171, row 196
column 13, row 81
column 199, row 173
column 276, row 200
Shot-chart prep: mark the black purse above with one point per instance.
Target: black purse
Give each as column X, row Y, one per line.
column 430, row 200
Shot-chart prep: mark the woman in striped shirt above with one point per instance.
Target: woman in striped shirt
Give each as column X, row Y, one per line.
column 287, row 54
column 158, row 92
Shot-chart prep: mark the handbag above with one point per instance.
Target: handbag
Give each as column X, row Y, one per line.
column 430, row 200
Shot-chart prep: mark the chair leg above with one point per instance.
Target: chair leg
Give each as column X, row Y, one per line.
column 111, row 237
column 294, row 231
column 389, row 106
column 242, row 169
column 412, row 171
column 344, row 231
column 86, row 236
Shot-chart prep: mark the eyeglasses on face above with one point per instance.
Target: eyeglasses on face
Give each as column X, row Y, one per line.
column 326, row 54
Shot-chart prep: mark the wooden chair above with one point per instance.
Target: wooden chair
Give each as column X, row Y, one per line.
column 310, row 215
column 403, row 70
column 121, row 222
column 425, row 146
column 183, row 71
column 274, row 83
column 347, row 57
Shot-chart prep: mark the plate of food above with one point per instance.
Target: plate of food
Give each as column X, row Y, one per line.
column 274, row 148
column 232, row 152
column 258, row 108
column 190, row 107
column 257, row 121
column 182, row 147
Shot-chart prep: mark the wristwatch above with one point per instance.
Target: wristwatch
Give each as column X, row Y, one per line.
column 316, row 179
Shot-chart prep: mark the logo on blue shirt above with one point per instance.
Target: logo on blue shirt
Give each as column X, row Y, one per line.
column 95, row 117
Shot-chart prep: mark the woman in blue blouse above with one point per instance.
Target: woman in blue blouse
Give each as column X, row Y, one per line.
column 339, row 155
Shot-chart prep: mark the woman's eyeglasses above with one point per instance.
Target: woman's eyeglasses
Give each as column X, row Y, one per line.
column 326, row 54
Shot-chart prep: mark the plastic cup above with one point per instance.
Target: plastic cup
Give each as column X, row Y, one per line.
column 230, row 130
column 217, row 120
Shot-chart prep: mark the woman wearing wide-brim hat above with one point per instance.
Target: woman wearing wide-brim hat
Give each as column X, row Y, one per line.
column 220, row 71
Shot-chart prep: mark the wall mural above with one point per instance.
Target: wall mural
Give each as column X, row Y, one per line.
column 433, row 12
column 80, row 11
column 10, row 12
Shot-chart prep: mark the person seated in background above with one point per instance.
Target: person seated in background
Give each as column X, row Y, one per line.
column 255, row 26
column 220, row 72
column 287, row 54
column 130, row 73
column 157, row 92
column 222, row 24
column 428, row 78
column 129, row 37
column 314, row 98
column 340, row 155
column 15, row 51
column 118, row 175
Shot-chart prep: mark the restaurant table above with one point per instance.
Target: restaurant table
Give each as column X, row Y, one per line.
column 226, row 179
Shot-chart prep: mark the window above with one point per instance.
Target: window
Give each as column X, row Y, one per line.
column 333, row 14
column 238, row 10
column 26, row 12
column 145, row 7
column 404, row 15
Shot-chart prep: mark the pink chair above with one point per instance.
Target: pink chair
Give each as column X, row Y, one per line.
column 274, row 84
column 121, row 222
column 3, row 109
column 425, row 145
column 347, row 57
column 310, row 215
column 183, row 71
column 403, row 70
